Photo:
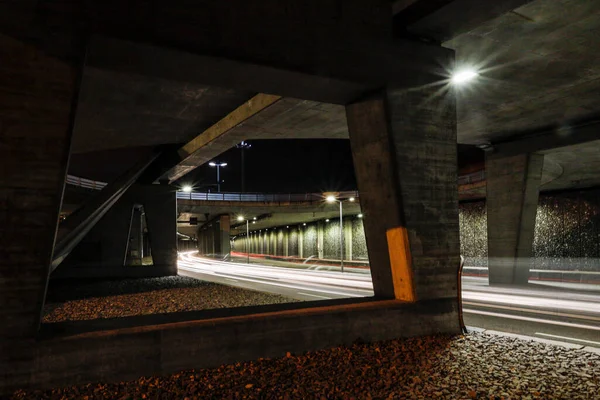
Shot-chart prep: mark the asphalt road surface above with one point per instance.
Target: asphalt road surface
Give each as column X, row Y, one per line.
column 564, row 312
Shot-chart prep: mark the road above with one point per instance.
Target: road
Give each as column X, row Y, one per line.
column 299, row 284
column 551, row 312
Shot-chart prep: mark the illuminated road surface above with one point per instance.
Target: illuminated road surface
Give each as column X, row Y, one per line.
column 295, row 283
column 547, row 312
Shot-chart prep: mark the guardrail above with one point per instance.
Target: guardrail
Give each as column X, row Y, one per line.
column 258, row 197
column 473, row 177
column 566, row 276
column 85, row 183
column 261, row 197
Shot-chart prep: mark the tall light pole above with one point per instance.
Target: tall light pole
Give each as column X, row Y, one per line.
column 332, row 199
column 218, row 165
column 243, row 146
column 241, row 218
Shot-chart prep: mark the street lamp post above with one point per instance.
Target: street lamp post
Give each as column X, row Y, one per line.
column 241, row 218
column 243, row 146
column 331, row 199
column 218, row 165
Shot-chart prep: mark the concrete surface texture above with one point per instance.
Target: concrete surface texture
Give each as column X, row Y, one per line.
column 512, row 198
column 478, row 365
column 538, row 70
column 521, row 89
column 565, row 235
column 267, row 214
column 301, row 240
column 108, row 243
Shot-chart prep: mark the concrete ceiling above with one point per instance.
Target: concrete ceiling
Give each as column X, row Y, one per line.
column 539, row 68
column 120, row 110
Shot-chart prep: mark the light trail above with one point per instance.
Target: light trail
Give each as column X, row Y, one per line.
column 312, row 284
column 295, row 283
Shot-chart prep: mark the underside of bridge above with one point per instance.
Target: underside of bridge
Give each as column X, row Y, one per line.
column 140, row 95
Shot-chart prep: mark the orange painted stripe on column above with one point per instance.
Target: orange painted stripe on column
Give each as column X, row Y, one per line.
column 401, row 264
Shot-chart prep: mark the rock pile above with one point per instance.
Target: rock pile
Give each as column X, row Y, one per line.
column 475, row 366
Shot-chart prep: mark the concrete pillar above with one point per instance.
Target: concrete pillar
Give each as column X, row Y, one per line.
column 224, row 226
column 320, row 239
column 286, row 242
column 300, row 242
column 37, row 92
column 135, row 247
column 512, row 197
column 348, row 239
column 404, row 149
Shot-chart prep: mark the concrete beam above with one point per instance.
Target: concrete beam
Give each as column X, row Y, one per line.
column 340, row 69
column 213, row 142
column 263, row 117
column 443, row 20
column 400, row 5
column 547, row 139
column 83, row 220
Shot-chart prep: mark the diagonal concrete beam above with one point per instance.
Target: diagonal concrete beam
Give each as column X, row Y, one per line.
column 547, row 139
column 192, row 155
column 262, row 117
column 251, row 107
column 400, row 5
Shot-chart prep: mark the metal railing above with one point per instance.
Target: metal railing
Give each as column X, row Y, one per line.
column 85, row 183
column 473, row 177
column 262, row 197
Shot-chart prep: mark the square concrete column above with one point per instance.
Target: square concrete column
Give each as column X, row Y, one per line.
column 513, row 185
column 348, row 239
column 404, row 149
column 224, row 227
column 320, row 239
column 300, row 242
column 135, row 245
column 37, row 104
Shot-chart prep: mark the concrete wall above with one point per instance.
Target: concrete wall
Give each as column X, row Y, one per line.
column 127, row 353
column 567, row 232
column 287, row 240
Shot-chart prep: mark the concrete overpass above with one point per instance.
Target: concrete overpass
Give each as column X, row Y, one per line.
column 159, row 88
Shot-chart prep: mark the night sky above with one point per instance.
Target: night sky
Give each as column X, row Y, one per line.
column 272, row 166
column 283, row 166
column 293, row 166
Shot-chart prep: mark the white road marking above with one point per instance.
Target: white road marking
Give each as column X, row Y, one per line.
column 313, row 295
column 567, row 338
column 542, row 321
column 533, row 311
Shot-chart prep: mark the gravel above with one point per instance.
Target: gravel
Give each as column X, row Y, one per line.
column 476, row 366
column 77, row 301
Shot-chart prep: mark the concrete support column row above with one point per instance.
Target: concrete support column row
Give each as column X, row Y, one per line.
column 214, row 237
